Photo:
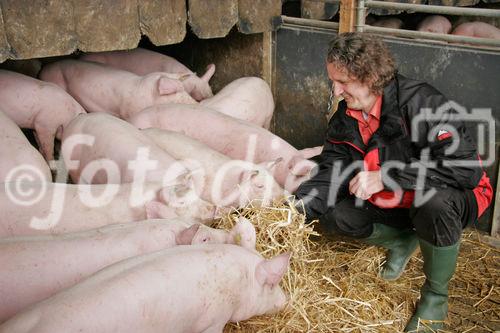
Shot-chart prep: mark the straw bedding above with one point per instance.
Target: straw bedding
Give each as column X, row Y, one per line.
column 334, row 287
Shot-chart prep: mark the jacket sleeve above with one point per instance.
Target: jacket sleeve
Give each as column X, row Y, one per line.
column 324, row 188
column 446, row 155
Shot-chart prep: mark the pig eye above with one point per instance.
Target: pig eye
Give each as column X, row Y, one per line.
column 206, row 239
column 260, row 186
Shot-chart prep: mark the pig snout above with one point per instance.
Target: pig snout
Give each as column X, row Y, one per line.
column 260, row 184
column 243, row 234
column 265, row 290
column 299, row 170
column 281, row 300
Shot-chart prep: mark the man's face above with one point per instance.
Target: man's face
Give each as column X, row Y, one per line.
column 356, row 94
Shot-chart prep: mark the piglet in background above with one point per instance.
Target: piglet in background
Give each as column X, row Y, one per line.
column 142, row 62
column 100, row 88
column 477, row 29
column 388, row 22
column 247, row 98
column 435, row 23
column 41, row 106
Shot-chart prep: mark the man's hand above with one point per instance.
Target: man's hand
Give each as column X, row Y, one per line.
column 366, row 183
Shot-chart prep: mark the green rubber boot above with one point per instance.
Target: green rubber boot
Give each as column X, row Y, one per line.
column 401, row 244
column 432, row 309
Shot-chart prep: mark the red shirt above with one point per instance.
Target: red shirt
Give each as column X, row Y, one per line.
column 370, row 125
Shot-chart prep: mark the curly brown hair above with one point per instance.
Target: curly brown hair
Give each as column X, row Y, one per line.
column 365, row 57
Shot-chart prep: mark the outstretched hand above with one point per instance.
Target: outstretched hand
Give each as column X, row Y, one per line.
column 366, row 183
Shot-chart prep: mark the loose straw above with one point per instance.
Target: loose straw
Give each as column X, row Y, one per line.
column 334, row 287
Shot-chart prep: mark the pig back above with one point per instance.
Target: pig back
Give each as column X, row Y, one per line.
column 114, row 140
column 249, row 99
column 24, row 98
column 234, row 138
column 139, row 61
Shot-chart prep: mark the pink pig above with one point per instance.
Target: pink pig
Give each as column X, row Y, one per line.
column 235, row 138
column 388, row 22
column 142, row 62
column 38, row 105
column 477, row 29
column 64, row 208
column 185, row 289
column 243, row 234
column 226, row 182
column 99, row 88
column 99, row 148
column 16, row 151
column 34, row 268
column 248, row 98
column 435, row 23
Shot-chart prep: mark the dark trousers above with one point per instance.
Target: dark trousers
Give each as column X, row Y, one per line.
column 439, row 221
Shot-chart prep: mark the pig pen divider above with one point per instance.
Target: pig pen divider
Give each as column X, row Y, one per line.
column 362, row 5
column 448, row 10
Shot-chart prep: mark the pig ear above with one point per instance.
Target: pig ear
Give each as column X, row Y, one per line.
column 157, row 210
column 269, row 272
column 270, row 165
column 300, row 166
column 209, row 73
column 248, row 175
column 167, row 86
column 311, row 152
column 243, row 234
column 185, row 237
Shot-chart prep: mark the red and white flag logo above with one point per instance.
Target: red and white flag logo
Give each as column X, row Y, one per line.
column 443, row 134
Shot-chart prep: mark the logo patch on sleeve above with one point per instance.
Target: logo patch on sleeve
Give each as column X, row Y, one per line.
column 443, row 134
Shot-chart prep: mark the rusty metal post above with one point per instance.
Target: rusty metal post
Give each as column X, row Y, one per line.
column 347, row 15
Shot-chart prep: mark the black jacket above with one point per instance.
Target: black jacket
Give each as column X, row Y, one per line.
column 406, row 137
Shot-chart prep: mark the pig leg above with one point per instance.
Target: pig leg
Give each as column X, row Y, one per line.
column 45, row 138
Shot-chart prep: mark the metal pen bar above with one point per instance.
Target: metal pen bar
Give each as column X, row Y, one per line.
column 447, row 10
column 394, row 32
column 434, row 36
column 360, row 16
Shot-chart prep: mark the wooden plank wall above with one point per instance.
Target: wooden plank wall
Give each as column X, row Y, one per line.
column 44, row 28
